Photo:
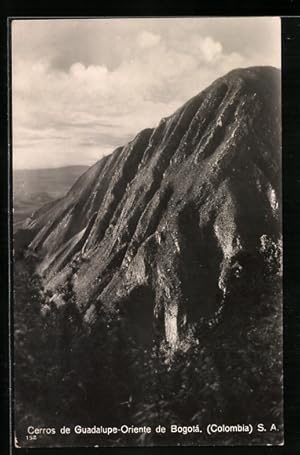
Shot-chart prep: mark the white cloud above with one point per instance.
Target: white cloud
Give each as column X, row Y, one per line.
column 210, row 49
column 147, row 39
column 76, row 113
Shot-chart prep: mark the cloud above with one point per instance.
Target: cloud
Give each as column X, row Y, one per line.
column 210, row 49
column 146, row 39
column 112, row 81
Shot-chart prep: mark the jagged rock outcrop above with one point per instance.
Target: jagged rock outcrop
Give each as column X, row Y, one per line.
column 169, row 224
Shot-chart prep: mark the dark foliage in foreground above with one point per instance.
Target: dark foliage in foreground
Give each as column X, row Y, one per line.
column 68, row 373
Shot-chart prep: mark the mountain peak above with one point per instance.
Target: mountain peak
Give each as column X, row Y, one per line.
column 165, row 224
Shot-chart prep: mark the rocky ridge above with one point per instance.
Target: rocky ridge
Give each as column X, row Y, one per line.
column 168, row 226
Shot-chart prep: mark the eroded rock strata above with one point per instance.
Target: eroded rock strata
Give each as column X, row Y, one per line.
column 170, row 225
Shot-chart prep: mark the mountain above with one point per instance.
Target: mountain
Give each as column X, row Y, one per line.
column 150, row 294
column 179, row 227
column 33, row 188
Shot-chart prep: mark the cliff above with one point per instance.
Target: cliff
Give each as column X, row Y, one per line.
column 170, row 226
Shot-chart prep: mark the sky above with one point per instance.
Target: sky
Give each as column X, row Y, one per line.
column 82, row 87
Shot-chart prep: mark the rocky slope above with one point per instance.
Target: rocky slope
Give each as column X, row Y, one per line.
column 167, row 226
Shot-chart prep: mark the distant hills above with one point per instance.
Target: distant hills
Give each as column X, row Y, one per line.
column 33, row 188
column 160, row 277
column 175, row 215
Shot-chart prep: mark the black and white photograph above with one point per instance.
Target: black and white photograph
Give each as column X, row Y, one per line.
column 147, row 232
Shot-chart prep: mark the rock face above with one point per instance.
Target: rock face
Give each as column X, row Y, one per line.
column 169, row 225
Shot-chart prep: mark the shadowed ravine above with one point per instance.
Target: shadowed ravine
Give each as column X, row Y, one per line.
column 175, row 239
column 172, row 209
